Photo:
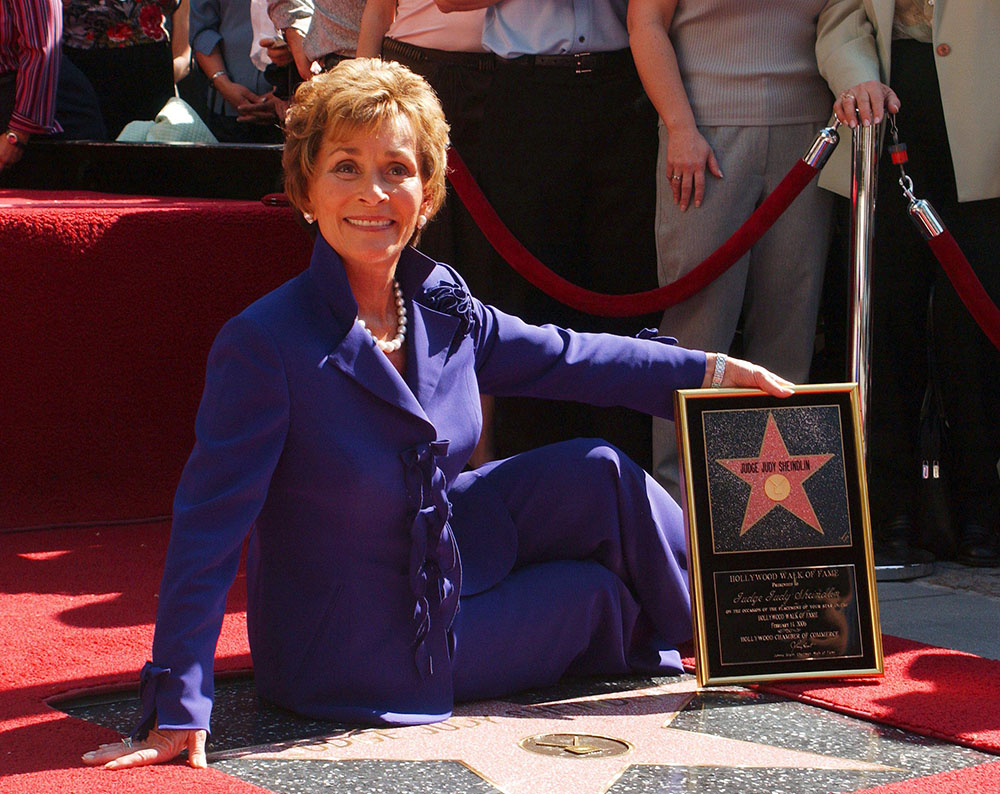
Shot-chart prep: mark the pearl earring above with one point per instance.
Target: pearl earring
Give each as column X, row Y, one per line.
column 421, row 221
column 310, row 218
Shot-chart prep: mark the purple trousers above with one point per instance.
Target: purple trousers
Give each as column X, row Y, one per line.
column 598, row 584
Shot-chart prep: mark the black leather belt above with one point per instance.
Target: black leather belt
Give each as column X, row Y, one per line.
column 403, row 52
column 579, row 63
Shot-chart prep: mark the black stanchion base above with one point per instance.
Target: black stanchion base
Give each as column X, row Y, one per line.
column 903, row 572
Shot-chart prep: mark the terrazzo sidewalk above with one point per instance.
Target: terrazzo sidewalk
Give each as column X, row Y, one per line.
column 621, row 736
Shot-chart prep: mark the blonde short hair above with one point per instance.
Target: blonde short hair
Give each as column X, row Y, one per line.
column 361, row 94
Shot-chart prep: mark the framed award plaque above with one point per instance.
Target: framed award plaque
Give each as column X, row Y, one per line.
column 776, row 506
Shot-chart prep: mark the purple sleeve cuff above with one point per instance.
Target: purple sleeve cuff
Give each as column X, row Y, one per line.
column 171, row 701
column 150, row 679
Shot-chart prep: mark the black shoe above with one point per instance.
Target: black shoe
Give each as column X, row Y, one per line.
column 977, row 546
column 895, row 546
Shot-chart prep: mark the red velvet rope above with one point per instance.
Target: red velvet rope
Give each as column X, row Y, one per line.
column 555, row 286
column 967, row 285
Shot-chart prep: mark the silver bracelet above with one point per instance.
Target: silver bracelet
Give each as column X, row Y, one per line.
column 217, row 74
column 720, row 370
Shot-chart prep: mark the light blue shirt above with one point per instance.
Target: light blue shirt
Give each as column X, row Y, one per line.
column 227, row 23
column 555, row 27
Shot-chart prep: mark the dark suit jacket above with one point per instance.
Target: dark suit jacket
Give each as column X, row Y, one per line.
column 339, row 469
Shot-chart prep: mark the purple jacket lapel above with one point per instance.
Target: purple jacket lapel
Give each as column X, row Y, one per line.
column 358, row 358
column 431, row 335
column 430, row 332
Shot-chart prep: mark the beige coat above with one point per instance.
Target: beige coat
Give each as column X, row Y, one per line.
column 851, row 49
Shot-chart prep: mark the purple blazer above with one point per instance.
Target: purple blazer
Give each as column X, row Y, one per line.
column 338, row 469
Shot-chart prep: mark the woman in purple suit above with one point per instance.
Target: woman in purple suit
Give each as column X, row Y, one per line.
column 384, row 583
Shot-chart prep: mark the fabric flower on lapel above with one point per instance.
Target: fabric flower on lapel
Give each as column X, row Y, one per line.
column 454, row 300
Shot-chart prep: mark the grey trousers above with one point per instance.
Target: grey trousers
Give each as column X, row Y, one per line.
column 776, row 286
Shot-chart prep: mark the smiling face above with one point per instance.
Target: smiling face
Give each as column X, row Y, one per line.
column 366, row 193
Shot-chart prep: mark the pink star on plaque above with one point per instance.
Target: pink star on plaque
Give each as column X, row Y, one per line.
column 775, row 479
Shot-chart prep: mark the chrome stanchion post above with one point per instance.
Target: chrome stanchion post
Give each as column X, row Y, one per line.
column 864, row 182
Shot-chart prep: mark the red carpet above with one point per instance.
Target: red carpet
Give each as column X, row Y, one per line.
column 931, row 691
column 110, row 306
column 936, row 692
column 78, row 607
column 984, row 779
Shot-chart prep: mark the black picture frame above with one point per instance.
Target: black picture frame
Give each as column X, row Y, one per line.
column 780, row 551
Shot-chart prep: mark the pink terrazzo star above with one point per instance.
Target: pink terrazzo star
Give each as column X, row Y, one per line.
column 775, row 479
column 484, row 737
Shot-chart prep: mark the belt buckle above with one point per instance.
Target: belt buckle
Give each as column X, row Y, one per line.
column 580, row 67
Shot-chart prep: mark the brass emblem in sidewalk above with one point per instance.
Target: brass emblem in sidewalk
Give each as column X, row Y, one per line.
column 575, row 745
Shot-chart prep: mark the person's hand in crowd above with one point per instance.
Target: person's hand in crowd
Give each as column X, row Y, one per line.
column 867, row 102
column 158, row 747
column 281, row 109
column 9, row 152
column 236, row 94
column 688, row 155
column 277, row 51
column 740, row 374
column 264, row 111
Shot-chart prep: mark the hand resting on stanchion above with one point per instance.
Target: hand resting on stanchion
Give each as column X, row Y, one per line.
column 868, row 101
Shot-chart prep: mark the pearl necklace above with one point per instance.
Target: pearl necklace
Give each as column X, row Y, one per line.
column 397, row 342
